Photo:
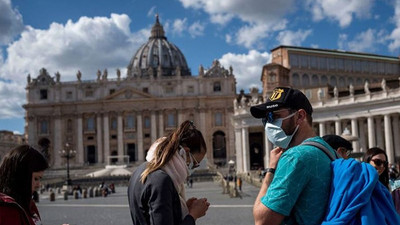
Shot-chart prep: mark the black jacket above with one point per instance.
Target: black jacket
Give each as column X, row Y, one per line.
column 156, row 202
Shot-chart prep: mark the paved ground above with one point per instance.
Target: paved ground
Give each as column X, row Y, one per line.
column 114, row 208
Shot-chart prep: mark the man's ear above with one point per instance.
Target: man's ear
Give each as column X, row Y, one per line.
column 302, row 115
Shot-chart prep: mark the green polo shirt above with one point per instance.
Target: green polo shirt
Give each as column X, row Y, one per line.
column 301, row 185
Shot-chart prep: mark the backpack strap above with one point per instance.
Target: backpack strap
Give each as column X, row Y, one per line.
column 323, row 148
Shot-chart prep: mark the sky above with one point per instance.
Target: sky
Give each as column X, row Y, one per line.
column 69, row 35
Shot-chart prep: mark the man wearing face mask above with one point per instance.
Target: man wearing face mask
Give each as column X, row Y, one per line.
column 296, row 187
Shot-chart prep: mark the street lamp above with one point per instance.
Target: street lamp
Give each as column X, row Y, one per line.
column 68, row 153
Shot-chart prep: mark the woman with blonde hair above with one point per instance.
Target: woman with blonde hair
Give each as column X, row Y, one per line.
column 156, row 191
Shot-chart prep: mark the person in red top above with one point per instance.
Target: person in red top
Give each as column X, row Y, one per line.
column 20, row 173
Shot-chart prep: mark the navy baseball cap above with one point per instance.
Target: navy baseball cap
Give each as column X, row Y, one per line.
column 282, row 97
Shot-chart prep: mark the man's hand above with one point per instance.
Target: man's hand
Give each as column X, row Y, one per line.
column 274, row 156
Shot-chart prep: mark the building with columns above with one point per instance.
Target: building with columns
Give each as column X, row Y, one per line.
column 9, row 140
column 350, row 91
column 125, row 115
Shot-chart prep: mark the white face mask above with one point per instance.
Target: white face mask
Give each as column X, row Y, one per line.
column 277, row 135
column 190, row 168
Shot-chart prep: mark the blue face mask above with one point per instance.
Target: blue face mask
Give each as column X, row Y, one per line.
column 276, row 135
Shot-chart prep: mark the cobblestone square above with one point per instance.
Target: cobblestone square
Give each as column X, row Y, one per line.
column 114, row 208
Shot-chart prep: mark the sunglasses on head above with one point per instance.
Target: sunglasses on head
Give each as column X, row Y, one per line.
column 379, row 162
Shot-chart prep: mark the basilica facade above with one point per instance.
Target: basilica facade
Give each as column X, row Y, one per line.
column 350, row 92
column 123, row 116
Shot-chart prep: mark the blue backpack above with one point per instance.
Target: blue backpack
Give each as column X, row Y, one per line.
column 357, row 196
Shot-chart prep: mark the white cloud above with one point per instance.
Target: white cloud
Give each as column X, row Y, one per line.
column 395, row 35
column 151, row 11
column 196, row 29
column 293, row 38
column 11, row 106
column 246, row 68
column 179, row 25
column 228, row 38
column 87, row 45
column 339, row 10
column 362, row 42
column 260, row 17
column 11, row 23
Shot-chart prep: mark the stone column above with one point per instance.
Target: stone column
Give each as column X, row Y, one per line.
column 388, row 138
column 239, row 153
column 321, row 129
column 153, row 131
column 140, row 137
column 338, row 127
column 362, row 141
column 120, row 137
column 354, row 132
column 396, row 134
column 100, row 153
column 80, row 150
column 32, row 130
column 180, row 117
column 58, row 141
column 379, row 133
column 371, row 132
column 161, row 124
column 245, row 149
column 106, row 129
column 202, row 128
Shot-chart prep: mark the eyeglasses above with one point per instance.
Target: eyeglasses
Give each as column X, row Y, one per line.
column 271, row 117
column 379, row 162
column 197, row 164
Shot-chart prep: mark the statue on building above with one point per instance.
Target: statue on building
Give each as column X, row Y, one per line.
column 150, row 71
column 105, row 74
column 79, row 75
column 351, row 90
column 366, row 87
column 335, row 92
column 230, row 70
column 118, row 74
column 98, row 75
column 383, row 85
column 320, row 94
column 28, row 78
column 178, row 71
column 58, row 77
column 201, row 70
column 243, row 103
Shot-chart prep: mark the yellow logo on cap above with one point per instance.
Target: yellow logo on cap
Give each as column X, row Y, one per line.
column 277, row 94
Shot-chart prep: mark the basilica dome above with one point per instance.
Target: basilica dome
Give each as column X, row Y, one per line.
column 158, row 57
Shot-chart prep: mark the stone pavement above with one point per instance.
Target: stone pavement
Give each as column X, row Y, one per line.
column 114, row 208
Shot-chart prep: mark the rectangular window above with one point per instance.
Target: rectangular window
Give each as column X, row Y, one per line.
column 146, row 122
column 218, row 119
column 89, row 93
column 169, row 90
column 44, row 127
column 112, row 91
column 190, row 89
column 69, row 95
column 43, row 94
column 130, row 122
column 90, row 124
column 171, row 120
column 145, row 90
column 114, row 123
column 322, row 63
column 217, row 86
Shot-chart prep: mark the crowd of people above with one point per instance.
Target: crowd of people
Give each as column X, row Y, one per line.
column 309, row 180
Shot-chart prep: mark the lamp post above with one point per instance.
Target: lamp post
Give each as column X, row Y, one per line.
column 68, row 153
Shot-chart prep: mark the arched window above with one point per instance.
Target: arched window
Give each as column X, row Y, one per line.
column 333, row 81
column 217, row 86
column 341, row 82
column 295, row 80
column 219, row 148
column 324, row 80
column 315, row 80
column 305, row 79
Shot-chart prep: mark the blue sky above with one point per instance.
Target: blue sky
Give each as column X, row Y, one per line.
column 86, row 35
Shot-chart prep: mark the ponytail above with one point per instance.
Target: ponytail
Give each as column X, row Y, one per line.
column 186, row 135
